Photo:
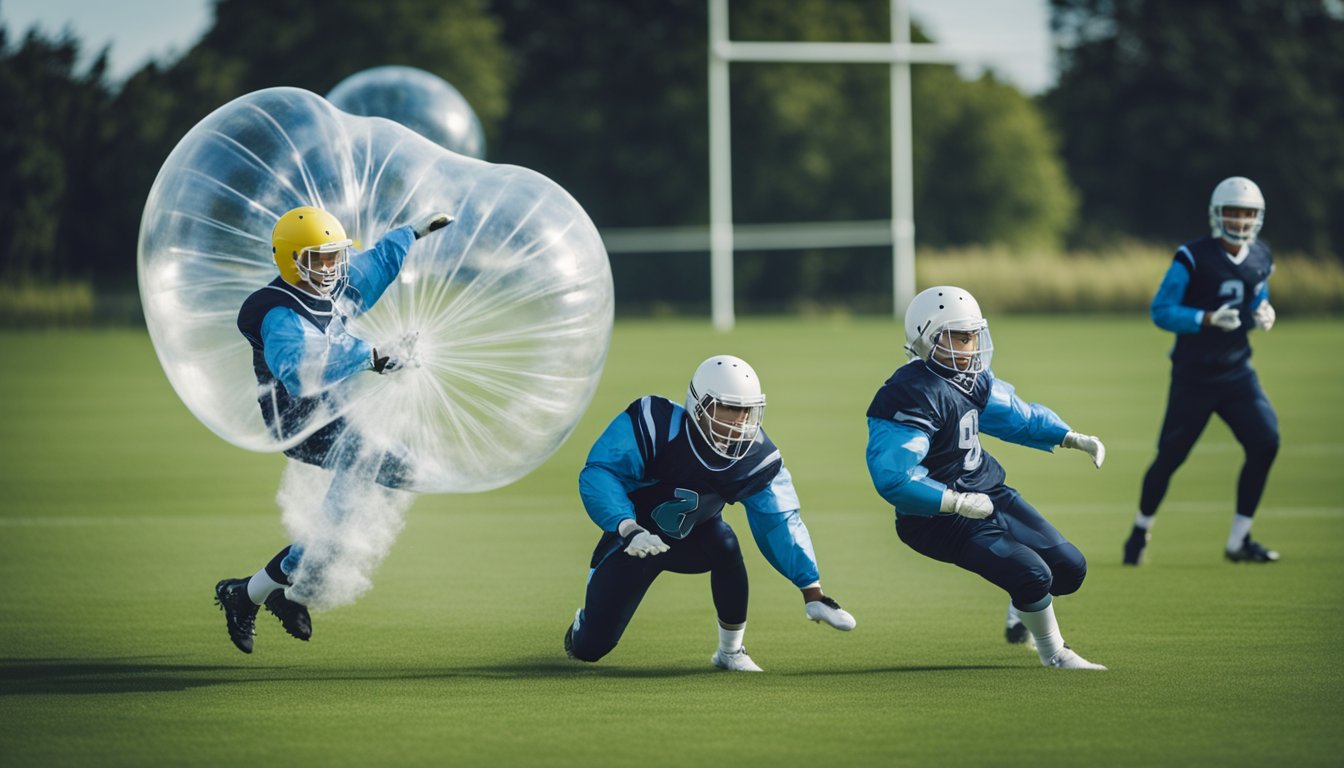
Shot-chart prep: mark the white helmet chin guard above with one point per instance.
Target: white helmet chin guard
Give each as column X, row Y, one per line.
column 1236, row 192
column 933, row 321
column 725, row 403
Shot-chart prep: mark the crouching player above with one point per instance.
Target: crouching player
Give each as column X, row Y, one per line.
column 925, row 458
column 656, row 483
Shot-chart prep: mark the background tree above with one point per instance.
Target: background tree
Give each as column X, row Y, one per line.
column 1158, row 101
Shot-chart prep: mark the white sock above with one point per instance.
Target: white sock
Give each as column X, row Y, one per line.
column 1013, row 619
column 1241, row 525
column 1144, row 521
column 260, row 586
column 730, row 640
column 1045, row 629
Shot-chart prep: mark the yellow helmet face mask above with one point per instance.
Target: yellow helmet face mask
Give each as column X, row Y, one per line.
column 310, row 246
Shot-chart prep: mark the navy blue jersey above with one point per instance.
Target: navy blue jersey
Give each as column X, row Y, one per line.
column 1216, row 280
column 683, row 486
column 284, row 413
column 917, row 397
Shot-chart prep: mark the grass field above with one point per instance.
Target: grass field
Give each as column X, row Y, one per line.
column 119, row 513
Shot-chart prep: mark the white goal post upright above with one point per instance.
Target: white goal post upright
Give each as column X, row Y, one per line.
column 900, row 53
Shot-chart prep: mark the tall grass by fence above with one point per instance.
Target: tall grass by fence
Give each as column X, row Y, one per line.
column 1121, row 280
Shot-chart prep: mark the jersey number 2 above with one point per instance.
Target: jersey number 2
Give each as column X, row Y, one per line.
column 675, row 517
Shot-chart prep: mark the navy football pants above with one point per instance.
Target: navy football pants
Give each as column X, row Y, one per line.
column 1016, row 549
column 1242, row 404
column 619, row 581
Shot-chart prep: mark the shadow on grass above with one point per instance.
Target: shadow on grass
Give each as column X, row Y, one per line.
column 29, row 677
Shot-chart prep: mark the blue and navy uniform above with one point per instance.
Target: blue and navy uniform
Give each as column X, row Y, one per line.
column 652, row 466
column 301, row 348
column 1210, row 368
column 924, row 438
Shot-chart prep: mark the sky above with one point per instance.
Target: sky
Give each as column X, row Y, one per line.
column 1010, row 36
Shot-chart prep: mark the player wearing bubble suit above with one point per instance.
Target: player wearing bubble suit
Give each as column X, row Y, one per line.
column 301, row 349
column 656, row 483
column 951, row 503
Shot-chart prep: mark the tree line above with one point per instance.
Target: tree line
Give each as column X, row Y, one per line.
column 1155, row 102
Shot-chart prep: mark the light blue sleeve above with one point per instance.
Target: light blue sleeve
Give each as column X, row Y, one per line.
column 1261, row 296
column 894, row 455
column 373, row 270
column 615, row 467
column 305, row 360
column 777, row 526
column 1167, row 311
column 1008, row 417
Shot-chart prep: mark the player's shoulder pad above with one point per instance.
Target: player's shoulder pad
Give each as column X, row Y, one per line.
column 653, row 419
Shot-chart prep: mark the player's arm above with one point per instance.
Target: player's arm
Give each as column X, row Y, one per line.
column 614, row 467
column 305, row 360
column 1166, row 310
column 1008, row 417
column 777, row 526
column 894, row 454
column 373, row 270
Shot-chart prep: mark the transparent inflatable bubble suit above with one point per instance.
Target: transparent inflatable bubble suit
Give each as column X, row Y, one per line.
column 510, row 307
column 419, row 100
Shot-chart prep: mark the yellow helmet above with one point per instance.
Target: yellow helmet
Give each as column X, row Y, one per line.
column 298, row 236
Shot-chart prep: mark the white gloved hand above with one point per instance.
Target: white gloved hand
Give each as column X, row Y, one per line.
column 828, row 611
column 430, row 223
column 1088, row 444
column 644, row 544
column 1226, row 317
column 1264, row 316
column 976, row 506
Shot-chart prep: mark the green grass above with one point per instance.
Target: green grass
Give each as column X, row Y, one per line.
column 120, row 512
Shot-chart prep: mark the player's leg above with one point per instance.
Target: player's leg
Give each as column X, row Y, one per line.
column 1189, row 406
column 713, row 546
column 1249, row 414
column 240, row 599
column 985, row 548
column 1068, row 567
column 617, row 583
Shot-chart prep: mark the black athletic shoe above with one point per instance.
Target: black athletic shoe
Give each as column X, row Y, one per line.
column 1134, row 546
column 293, row 616
column 1251, row 552
column 1016, row 633
column 239, row 611
column 569, row 635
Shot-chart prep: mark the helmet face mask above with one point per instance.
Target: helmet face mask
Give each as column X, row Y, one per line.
column 324, row 266
column 1236, row 211
column 945, row 328
column 725, row 403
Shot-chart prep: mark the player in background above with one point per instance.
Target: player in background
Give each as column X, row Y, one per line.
column 925, row 458
column 301, row 349
column 656, row 483
column 1215, row 292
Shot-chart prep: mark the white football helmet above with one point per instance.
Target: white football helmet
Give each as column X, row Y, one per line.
column 931, row 321
column 725, row 403
column 1236, row 192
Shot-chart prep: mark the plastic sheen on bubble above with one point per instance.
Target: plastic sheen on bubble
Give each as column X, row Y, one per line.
column 505, row 316
column 419, row 100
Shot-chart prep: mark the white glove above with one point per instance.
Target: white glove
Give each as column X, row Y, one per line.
column 430, row 223
column 976, row 506
column 1088, row 444
column 1226, row 317
column 829, row 611
column 644, row 544
column 1264, row 316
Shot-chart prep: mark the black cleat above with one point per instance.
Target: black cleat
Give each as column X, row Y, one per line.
column 293, row 616
column 1134, row 546
column 239, row 611
column 1251, row 552
column 1016, row 634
